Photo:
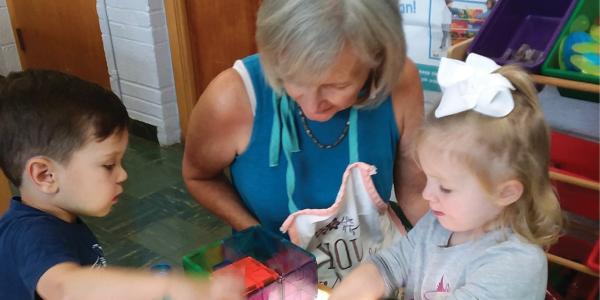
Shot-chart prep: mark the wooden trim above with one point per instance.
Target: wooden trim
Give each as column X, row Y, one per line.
column 181, row 57
column 569, row 84
column 459, row 50
column 571, row 264
column 5, row 193
column 581, row 182
column 14, row 28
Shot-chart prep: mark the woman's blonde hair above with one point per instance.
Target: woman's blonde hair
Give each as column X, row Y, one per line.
column 301, row 38
column 498, row 149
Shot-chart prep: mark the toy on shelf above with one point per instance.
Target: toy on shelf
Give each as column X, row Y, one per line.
column 580, row 50
column 465, row 24
column 575, row 55
column 522, row 32
column 525, row 54
column 274, row 267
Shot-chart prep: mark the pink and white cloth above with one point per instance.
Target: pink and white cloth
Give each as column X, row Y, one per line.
column 358, row 224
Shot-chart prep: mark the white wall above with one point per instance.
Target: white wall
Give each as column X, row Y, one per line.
column 9, row 58
column 136, row 46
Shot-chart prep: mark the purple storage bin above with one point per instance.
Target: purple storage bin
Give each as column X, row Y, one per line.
column 515, row 23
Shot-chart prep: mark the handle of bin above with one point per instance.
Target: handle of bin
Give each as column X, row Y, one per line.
column 571, row 264
column 574, row 179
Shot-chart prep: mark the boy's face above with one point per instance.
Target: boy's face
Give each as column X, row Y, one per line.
column 455, row 195
column 91, row 182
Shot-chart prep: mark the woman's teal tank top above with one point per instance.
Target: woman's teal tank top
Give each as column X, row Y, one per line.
column 317, row 172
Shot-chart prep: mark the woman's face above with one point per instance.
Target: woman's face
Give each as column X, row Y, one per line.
column 333, row 91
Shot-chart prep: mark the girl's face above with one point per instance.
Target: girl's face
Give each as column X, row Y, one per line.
column 456, row 197
column 333, row 91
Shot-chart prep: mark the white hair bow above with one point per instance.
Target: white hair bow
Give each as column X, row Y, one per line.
column 471, row 85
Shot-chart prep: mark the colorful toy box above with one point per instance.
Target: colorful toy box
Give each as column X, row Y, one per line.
column 522, row 32
column 582, row 20
column 278, row 268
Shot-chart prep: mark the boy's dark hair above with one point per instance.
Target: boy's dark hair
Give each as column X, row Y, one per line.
column 52, row 114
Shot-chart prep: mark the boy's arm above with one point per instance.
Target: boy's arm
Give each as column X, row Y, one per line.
column 72, row 281
column 364, row 282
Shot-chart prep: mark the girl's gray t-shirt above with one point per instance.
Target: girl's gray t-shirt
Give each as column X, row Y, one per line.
column 498, row 265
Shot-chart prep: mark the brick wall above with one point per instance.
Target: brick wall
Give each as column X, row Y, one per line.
column 137, row 51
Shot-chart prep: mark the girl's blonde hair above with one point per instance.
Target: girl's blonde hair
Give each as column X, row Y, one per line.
column 516, row 146
column 301, row 39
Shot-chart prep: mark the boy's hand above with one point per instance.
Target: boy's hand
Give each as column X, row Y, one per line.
column 227, row 287
column 218, row 288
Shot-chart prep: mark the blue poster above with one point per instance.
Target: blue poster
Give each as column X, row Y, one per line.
column 432, row 26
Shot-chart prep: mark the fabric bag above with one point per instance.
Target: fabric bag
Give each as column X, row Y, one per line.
column 358, row 224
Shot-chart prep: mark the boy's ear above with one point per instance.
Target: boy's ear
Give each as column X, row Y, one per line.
column 509, row 192
column 41, row 172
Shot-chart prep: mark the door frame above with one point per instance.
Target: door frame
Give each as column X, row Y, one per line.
column 5, row 193
column 182, row 60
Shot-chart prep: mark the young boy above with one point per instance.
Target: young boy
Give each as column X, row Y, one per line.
column 62, row 142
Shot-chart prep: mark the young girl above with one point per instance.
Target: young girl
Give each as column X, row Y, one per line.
column 492, row 209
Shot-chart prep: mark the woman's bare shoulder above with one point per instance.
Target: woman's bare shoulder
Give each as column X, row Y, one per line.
column 407, row 98
column 223, row 114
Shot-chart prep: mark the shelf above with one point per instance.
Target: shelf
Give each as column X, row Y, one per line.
column 459, row 50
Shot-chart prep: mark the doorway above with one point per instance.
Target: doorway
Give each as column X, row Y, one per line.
column 62, row 35
column 206, row 38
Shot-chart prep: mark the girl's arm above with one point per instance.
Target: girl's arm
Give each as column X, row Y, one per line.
column 364, row 282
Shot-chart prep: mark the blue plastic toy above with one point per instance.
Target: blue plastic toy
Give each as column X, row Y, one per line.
column 581, row 52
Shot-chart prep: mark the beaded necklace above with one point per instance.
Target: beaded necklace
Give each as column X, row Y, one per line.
column 314, row 139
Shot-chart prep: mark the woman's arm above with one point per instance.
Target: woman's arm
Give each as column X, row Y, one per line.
column 219, row 129
column 409, row 180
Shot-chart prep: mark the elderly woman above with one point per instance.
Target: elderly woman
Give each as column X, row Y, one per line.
column 330, row 84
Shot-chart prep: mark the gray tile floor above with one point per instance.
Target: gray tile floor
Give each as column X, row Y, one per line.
column 156, row 219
